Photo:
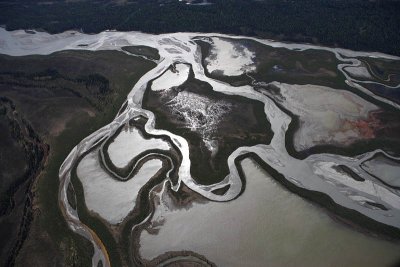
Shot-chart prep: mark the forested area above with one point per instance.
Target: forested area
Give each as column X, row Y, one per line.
column 355, row 24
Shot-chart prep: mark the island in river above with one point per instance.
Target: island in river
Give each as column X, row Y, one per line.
column 205, row 149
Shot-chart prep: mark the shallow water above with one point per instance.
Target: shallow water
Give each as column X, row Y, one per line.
column 384, row 168
column 287, row 232
column 171, row 78
column 329, row 112
column 112, row 199
column 266, row 225
column 230, row 59
column 130, row 143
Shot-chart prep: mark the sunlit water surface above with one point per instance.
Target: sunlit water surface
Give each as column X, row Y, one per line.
column 266, row 226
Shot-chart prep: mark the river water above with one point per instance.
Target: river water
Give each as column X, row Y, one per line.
column 266, row 226
column 296, row 227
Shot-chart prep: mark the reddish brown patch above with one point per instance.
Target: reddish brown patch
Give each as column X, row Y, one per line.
column 368, row 128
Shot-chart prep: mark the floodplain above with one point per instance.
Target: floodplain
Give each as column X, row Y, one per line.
column 234, row 151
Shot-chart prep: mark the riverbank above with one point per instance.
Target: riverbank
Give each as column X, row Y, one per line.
column 67, row 101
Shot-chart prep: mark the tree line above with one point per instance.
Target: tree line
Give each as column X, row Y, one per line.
column 354, row 24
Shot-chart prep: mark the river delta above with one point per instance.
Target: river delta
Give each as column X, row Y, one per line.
column 236, row 151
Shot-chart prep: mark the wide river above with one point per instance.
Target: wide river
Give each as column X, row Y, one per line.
column 275, row 226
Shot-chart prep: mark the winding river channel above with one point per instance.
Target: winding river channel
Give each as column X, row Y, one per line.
column 371, row 197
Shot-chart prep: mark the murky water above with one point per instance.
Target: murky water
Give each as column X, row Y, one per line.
column 130, row 143
column 106, row 196
column 266, row 226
